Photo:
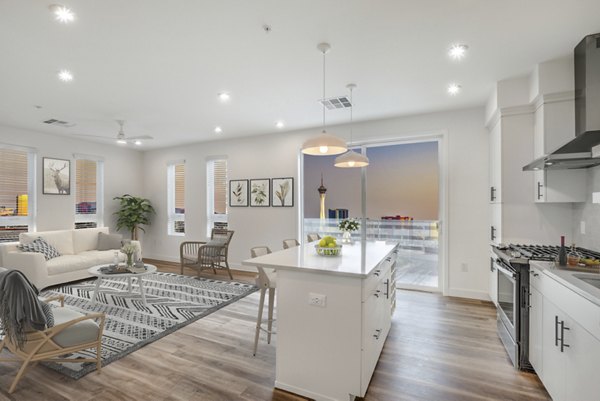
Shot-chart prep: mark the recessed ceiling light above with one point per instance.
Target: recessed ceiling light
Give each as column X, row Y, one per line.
column 65, row 76
column 458, row 51
column 454, row 89
column 224, row 96
column 138, row 142
column 279, row 124
column 62, row 13
column 121, row 141
column 218, row 130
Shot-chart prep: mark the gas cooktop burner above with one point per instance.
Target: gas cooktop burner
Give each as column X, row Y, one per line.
column 549, row 252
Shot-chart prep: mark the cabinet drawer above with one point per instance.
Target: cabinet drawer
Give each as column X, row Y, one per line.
column 582, row 311
column 374, row 283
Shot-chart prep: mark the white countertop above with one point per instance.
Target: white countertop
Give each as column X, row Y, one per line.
column 569, row 280
column 356, row 260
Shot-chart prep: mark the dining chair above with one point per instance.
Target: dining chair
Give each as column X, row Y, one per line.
column 312, row 237
column 264, row 281
column 290, row 243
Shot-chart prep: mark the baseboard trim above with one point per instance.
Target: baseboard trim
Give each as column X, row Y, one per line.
column 299, row 391
column 175, row 262
column 470, row 294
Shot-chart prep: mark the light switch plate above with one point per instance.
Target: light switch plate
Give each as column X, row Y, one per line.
column 582, row 227
column 595, row 197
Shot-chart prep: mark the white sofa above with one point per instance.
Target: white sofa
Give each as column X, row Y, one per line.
column 78, row 249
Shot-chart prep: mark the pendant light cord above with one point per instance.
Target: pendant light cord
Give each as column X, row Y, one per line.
column 351, row 110
column 323, row 98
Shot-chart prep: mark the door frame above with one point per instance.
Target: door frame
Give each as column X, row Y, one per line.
column 439, row 136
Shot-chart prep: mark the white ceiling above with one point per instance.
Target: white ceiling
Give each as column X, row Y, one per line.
column 160, row 64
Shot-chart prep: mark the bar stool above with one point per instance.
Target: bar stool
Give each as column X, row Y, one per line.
column 290, row 243
column 265, row 281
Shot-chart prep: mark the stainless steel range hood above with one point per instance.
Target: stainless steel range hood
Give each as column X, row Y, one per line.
column 577, row 153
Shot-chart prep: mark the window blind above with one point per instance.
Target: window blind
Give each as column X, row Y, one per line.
column 14, row 196
column 176, row 198
column 220, row 187
column 13, row 182
column 216, row 182
column 85, row 186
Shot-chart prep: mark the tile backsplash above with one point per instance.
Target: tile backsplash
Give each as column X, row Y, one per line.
column 589, row 213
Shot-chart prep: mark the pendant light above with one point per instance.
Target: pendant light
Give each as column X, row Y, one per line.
column 351, row 159
column 324, row 144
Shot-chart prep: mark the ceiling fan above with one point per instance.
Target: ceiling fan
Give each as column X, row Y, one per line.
column 121, row 138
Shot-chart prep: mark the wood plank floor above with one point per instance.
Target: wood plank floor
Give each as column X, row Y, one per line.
column 438, row 349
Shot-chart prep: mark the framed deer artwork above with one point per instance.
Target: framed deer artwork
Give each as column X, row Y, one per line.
column 57, row 176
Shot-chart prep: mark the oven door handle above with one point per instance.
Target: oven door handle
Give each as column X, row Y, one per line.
column 505, row 271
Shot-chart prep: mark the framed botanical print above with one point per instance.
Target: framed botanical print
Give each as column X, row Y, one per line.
column 56, row 175
column 260, row 192
column 282, row 192
column 238, row 193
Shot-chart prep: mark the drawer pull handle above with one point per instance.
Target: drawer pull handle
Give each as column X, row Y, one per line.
column 376, row 293
column 534, row 273
column 377, row 334
column 562, row 336
column 377, row 272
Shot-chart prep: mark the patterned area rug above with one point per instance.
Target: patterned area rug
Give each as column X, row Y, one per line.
column 173, row 301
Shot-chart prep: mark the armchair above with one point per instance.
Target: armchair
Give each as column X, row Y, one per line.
column 72, row 332
column 200, row 255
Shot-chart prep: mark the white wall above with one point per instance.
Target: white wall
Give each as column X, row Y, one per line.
column 122, row 172
column 276, row 155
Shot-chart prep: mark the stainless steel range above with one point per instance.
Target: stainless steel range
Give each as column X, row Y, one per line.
column 512, row 266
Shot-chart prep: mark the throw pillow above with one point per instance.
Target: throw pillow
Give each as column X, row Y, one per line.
column 107, row 242
column 40, row 245
column 48, row 313
column 217, row 242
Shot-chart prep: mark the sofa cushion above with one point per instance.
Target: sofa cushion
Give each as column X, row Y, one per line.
column 61, row 240
column 86, row 239
column 83, row 332
column 109, row 241
column 95, row 258
column 67, row 264
column 40, row 245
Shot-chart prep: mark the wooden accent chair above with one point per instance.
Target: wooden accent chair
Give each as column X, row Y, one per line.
column 312, row 237
column 72, row 332
column 290, row 243
column 264, row 281
column 213, row 254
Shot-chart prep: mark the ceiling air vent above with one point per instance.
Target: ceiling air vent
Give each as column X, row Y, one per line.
column 59, row 123
column 338, row 102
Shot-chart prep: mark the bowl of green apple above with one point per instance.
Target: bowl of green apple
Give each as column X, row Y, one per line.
column 328, row 246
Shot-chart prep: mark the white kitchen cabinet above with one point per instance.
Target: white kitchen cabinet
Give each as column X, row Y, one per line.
column 554, row 125
column 535, row 331
column 493, row 281
column 553, row 360
column 554, row 186
column 564, row 339
column 495, row 164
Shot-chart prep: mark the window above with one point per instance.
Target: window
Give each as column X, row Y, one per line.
column 17, row 192
column 216, row 179
column 89, row 183
column 176, row 198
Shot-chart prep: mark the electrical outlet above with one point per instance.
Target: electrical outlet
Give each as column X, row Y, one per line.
column 319, row 300
column 582, row 227
column 464, row 267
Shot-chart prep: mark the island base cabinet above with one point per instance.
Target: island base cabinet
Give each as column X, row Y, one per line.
column 553, row 361
column 330, row 352
column 535, row 331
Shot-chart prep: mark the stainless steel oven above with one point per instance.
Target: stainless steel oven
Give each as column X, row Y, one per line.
column 508, row 308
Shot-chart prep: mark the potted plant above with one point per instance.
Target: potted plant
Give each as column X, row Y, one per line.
column 347, row 226
column 133, row 212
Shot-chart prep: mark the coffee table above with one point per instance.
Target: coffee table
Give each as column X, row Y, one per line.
column 95, row 271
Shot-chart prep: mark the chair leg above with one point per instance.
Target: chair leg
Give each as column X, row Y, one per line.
column 19, row 375
column 182, row 268
column 270, row 321
column 228, row 270
column 99, row 356
column 261, row 305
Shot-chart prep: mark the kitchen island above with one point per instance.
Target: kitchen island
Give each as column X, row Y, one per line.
column 333, row 316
